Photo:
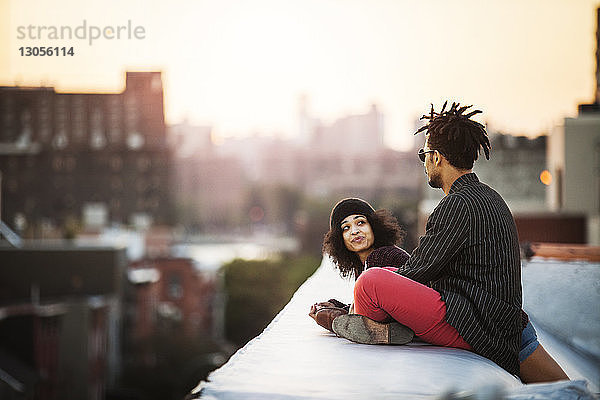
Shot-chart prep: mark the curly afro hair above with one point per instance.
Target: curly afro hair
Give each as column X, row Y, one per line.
column 386, row 231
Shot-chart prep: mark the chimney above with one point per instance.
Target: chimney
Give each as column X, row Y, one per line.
column 595, row 106
column 598, row 57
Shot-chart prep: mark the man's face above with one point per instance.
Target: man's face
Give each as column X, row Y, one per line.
column 434, row 178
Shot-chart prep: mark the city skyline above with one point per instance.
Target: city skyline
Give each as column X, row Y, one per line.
column 242, row 67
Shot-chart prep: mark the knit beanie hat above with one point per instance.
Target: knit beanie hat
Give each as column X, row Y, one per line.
column 347, row 207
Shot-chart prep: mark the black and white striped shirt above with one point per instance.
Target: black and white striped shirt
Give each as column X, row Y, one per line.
column 470, row 255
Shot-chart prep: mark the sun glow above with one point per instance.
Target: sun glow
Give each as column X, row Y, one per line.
column 242, row 66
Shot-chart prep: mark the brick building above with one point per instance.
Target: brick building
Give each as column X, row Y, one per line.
column 60, row 321
column 97, row 157
column 170, row 293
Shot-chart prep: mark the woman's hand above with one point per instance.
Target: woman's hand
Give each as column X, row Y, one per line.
column 317, row 306
column 325, row 312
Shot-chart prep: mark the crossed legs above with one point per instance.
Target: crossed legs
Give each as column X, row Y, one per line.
column 381, row 294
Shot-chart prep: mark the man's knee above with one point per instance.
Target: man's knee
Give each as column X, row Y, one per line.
column 369, row 278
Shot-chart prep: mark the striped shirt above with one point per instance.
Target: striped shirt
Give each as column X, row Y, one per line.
column 470, row 255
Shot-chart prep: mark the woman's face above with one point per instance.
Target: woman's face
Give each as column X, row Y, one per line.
column 357, row 233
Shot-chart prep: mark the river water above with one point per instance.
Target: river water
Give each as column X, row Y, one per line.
column 210, row 255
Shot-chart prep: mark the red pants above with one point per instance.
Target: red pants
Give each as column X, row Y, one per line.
column 380, row 293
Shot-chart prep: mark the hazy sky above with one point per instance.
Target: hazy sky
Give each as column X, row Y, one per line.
column 241, row 66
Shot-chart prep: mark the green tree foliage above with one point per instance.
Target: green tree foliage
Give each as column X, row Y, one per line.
column 258, row 290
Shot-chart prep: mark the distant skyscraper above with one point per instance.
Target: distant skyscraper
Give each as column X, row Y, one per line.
column 306, row 123
column 352, row 135
column 595, row 106
column 574, row 161
column 598, row 56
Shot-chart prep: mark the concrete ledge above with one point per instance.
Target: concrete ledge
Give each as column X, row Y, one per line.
column 294, row 358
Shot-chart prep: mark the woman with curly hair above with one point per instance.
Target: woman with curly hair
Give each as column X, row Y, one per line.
column 359, row 238
column 345, row 245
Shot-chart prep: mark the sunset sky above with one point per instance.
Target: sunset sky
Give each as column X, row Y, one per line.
column 241, row 66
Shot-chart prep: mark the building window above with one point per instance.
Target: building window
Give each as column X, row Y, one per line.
column 116, row 163
column 156, row 84
column 59, row 183
column 143, row 164
column 78, row 118
column 20, row 222
column 116, row 184
column 98, row 140
column 58, row 163
column 12, row 185
column 114, row 118
column 135, row 140
column 30, row 204
column 175, row 287
column 153, row 203
column 60, row 141
column 70, row 163
column 141, row 185
column 69, row 200
column 30, row 161
column 44, row 132
column 115, row 204
column 131, row 116
column 26, row 131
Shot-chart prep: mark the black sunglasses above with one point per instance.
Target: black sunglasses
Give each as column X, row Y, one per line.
column 422, row 153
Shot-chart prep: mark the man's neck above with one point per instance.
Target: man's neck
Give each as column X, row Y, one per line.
column 451, row 176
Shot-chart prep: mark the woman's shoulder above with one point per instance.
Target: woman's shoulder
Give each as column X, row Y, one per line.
column 387, row 256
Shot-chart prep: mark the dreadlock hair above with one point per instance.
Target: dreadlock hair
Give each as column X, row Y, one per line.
column 455, row 135
column 386, row 232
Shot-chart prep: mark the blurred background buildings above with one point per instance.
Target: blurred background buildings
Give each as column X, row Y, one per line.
column 84, row 158
column 95, row 188
column 60, row 321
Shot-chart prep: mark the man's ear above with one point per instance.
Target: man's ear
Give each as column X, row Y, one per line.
column 437, row 157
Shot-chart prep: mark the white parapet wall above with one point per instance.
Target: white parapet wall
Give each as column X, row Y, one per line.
column 294, row 358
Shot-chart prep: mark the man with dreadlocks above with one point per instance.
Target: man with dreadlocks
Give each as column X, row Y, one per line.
column 461, row 287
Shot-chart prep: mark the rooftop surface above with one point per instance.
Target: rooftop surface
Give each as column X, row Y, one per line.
column 297, row 359
column 294, row 358
column 562, row 299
